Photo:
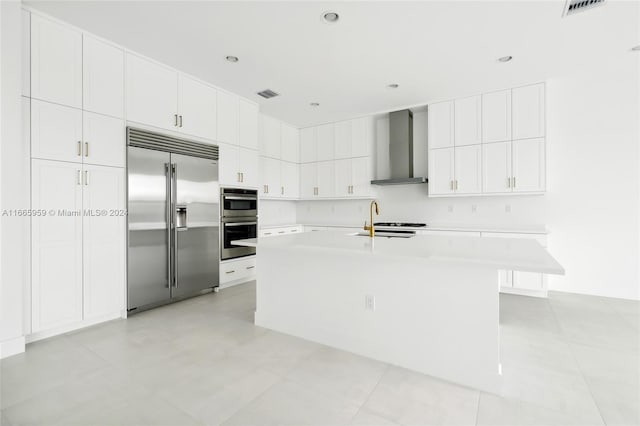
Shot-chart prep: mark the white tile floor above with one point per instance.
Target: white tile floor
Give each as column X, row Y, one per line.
column 567, row 360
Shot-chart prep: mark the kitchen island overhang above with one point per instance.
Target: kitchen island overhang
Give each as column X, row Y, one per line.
column 428, row 303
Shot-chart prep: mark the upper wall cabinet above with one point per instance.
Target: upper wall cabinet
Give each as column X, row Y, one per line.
column 103, row 78
column 325, row 137
column 290, row 144
column 496, row 116
column 271, row 137
column 56, row 62
column 26, row 53
column 354, row 138
column 151, row 93
column 228, row 118
column 197, row 107
column 468, row 121
column 528, row 111
column 248, row 128
column 308, row 145
column 441, row 125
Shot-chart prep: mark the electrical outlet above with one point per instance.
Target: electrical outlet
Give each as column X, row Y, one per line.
column 450, row 209
column 369, row 302
column 474, row 208
column 507, row 208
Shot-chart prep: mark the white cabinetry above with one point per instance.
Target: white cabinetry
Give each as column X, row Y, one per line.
column 325, row 136
column 290, row 179
column 467, row 170
column 271, row 137
column 308, row 180
column 56, row 132
column 238, row 167
column 496, row 167
column 151, row 93
column 528, row 165
column 352, row 177
column 228, row 117
column 440, row 125
column 271, row 179
column 197, row 108
column 353, row 138
column 249, row 167
column 237, row 271
column 528, row 111
column 290, row 144
column 248, row 125
column 103, row 77
column 468, row 121
column 496, row 116
column 56, row 62
column 308, row 145
column 103, row 140
column 441, row 171
column 325, row 186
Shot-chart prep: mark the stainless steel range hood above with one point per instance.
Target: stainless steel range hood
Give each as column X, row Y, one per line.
column 400, row 150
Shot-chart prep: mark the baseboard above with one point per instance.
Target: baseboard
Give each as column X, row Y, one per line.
column 39, row 335
column 236, row 282
column 12, row 347
column 524, row 292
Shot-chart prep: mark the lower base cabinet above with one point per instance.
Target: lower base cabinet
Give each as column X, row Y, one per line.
column 237, row 271
column 78, row 243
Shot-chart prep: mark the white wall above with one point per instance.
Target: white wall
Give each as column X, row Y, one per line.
column 14, row 231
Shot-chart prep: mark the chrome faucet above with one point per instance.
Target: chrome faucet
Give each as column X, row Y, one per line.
column 371, row 229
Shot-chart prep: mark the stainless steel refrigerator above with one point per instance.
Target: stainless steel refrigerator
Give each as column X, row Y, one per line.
column 173, row 219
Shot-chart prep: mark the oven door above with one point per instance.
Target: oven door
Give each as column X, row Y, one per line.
column 234, row 230
column 239, row 205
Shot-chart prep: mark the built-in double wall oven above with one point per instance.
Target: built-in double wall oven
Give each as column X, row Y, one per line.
column 239, row 221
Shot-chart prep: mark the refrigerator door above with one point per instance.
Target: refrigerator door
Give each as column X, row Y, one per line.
column 196, row 230
column 149, row 272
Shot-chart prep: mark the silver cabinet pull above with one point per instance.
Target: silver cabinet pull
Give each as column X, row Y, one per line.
column 79, row 178
column 237, row 176
column 451, row 185
column 508, row 182
column 175, row 120
column 267, row 188
column 86, row 177
column 80, row 148
column 230, row 272
column 250, row 267
column 86, row 149
column 456, row 184
column 282, row 190
column 241, row 177
column 514, row 181
column 180, row 121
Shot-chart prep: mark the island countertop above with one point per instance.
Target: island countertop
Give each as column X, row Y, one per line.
column 497, row 253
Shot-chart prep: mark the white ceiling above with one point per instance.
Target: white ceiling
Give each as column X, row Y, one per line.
column 434, row 50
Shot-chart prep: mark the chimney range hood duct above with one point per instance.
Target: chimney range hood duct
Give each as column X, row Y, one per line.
column 400, row 150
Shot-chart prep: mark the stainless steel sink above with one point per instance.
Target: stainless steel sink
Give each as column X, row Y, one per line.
column 384, row 234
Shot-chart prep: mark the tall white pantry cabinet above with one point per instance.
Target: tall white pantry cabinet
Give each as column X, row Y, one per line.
column 77, row 136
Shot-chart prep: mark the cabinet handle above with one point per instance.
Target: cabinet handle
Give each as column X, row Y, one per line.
column 79, row 178
column 80, row 148
column 180, row 121
column 508, row 182
column 86, row 149
column 514, row 181
column 241, row 177
column 230, row 272
column 86, row 177
column 456, row 181
column 267, row 186
column 282, row 190
column 175, row 120
column 238, row 177
column 250, row 267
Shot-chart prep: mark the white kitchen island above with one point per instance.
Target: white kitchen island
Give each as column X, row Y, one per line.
column 427, row 303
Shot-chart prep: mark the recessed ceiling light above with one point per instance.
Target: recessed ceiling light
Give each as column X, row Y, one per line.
column 505, row 59
column 314, row 104
column 393, row 85
column 331, row 17
column 636, row 48
column 232, row 58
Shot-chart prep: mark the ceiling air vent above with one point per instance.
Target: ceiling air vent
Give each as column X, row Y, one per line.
column 268, row 94
column 575, row 6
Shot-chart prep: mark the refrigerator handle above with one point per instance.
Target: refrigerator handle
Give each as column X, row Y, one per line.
column 167, row 171
column 174, row 226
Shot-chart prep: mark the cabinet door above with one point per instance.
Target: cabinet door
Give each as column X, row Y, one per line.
column 271, row 181
column 308, row 145
column 361, row 176
column 104, row 240
column 440, row 129
column 468, row 121
column 362, row 136
column 528, row 165
column 104, row 140
column 103, row 78
column 228, row 165
column 528, row 111
column 228, row 113
column 343, row 133
column 26, row 53
column 326, row 140
column 56, row 256
column 249, row 167
column 496, row 167
column 441, row 171
column 505, row 278
column 326, row 179
column 496, row 116
column 342, row 183
column 197, row 107
column 290, row 144
column 56, row 132
column 248, row 128
column 468, row 169
column 56, row 62
column 290, row 173
column 151, row 93
column 308, row 180
column 528, row 280
column 271, row 137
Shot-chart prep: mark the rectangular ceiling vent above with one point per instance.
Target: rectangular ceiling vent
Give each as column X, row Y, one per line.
column 575, row 6
column 268, row 94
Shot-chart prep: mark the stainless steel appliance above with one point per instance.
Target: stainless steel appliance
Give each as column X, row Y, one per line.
column 239, row 221
column 173, row 218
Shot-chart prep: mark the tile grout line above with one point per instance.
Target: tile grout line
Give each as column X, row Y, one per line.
column 387, row 367
column 568, row 343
